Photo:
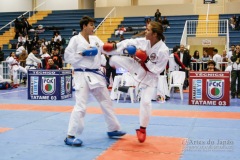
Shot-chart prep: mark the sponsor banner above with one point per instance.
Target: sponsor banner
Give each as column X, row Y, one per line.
column 49, row 72
column 197, row 89
column 209, row 88
column 62, row 86
column 34, row 85
column 49, row 84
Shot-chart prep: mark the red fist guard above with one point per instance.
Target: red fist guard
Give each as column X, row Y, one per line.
column 109, row 47
column 141, row 55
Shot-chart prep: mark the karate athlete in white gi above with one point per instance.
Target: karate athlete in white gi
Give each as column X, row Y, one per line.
column 32, row 61
column 84, row 54
column 148, row 63
column 14, row 65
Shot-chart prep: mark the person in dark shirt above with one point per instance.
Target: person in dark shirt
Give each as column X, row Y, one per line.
column 121, row 38
column 185, row 58
column 165, row 23
column 35, row 39
column 57, row 58
column 1, row 55
column 211, row 66
column 51, row 65
column 157, row 15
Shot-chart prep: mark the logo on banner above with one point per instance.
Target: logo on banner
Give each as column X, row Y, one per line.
column 68, row 80
column 215, row 89
column 34, row 85
column 62, row 86
column 48, row 84
column 197, row 89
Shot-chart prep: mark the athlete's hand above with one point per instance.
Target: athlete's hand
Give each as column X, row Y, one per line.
column 109, row 47
column 131, row 50
column 90, row 52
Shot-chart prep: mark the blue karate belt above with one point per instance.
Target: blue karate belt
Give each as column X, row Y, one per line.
column 94, row 71
column 30, row 65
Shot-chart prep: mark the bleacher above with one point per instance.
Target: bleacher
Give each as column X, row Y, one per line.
column 64, row 21
column 172, row 34
column 6, row 17
column 234, row 35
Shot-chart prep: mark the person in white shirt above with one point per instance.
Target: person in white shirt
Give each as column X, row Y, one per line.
column 74, row 32
column 217, row 58
column 84, row 54
column 57, row 37
column 150, row 60
column 32, row 62
column 1, row 78
column 15, row 67
column 120, row 31
column 21, row 39
column 20, row 49
column 174, row 61
column 45, row 52
column 224, row 60
column 230, row 53
column 44, row 57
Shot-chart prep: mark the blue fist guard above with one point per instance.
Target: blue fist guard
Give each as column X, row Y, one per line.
column 90, row 52
column 131, row 50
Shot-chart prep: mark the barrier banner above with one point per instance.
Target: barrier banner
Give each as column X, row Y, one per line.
column 209, row 88
column 49, row 84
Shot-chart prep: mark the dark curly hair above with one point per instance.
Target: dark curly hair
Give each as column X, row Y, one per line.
column 211, row 62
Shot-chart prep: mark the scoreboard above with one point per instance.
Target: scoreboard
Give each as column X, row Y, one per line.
column 208, row 1
column 209, row 88
column 49, row 84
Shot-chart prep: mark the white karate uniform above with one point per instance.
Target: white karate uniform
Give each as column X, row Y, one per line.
column 32, row 61
column 88, row 82
column 148, row 80
column 19, row 50
column 14, row 67
column 103, row 64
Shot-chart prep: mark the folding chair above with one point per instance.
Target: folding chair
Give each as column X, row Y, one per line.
column 176, row 80
column 128, row 85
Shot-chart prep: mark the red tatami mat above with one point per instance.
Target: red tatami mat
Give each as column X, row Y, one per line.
column 154, row 148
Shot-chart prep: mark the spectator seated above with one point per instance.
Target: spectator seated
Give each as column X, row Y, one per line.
column 120, row 31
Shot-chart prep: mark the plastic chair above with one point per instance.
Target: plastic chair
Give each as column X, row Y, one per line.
column 176, row 80
column 127, row 80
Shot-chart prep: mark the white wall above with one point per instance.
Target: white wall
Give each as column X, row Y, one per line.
column 134, row 11
column 160, row 2
column 112, row 3
column 89, row 4
column 57, row 4
column 15, row 5
column 101, row 3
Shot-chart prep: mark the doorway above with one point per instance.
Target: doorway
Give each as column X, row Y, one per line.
column 209, row 50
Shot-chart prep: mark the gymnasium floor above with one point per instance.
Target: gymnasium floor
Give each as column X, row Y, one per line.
column 35, row 130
